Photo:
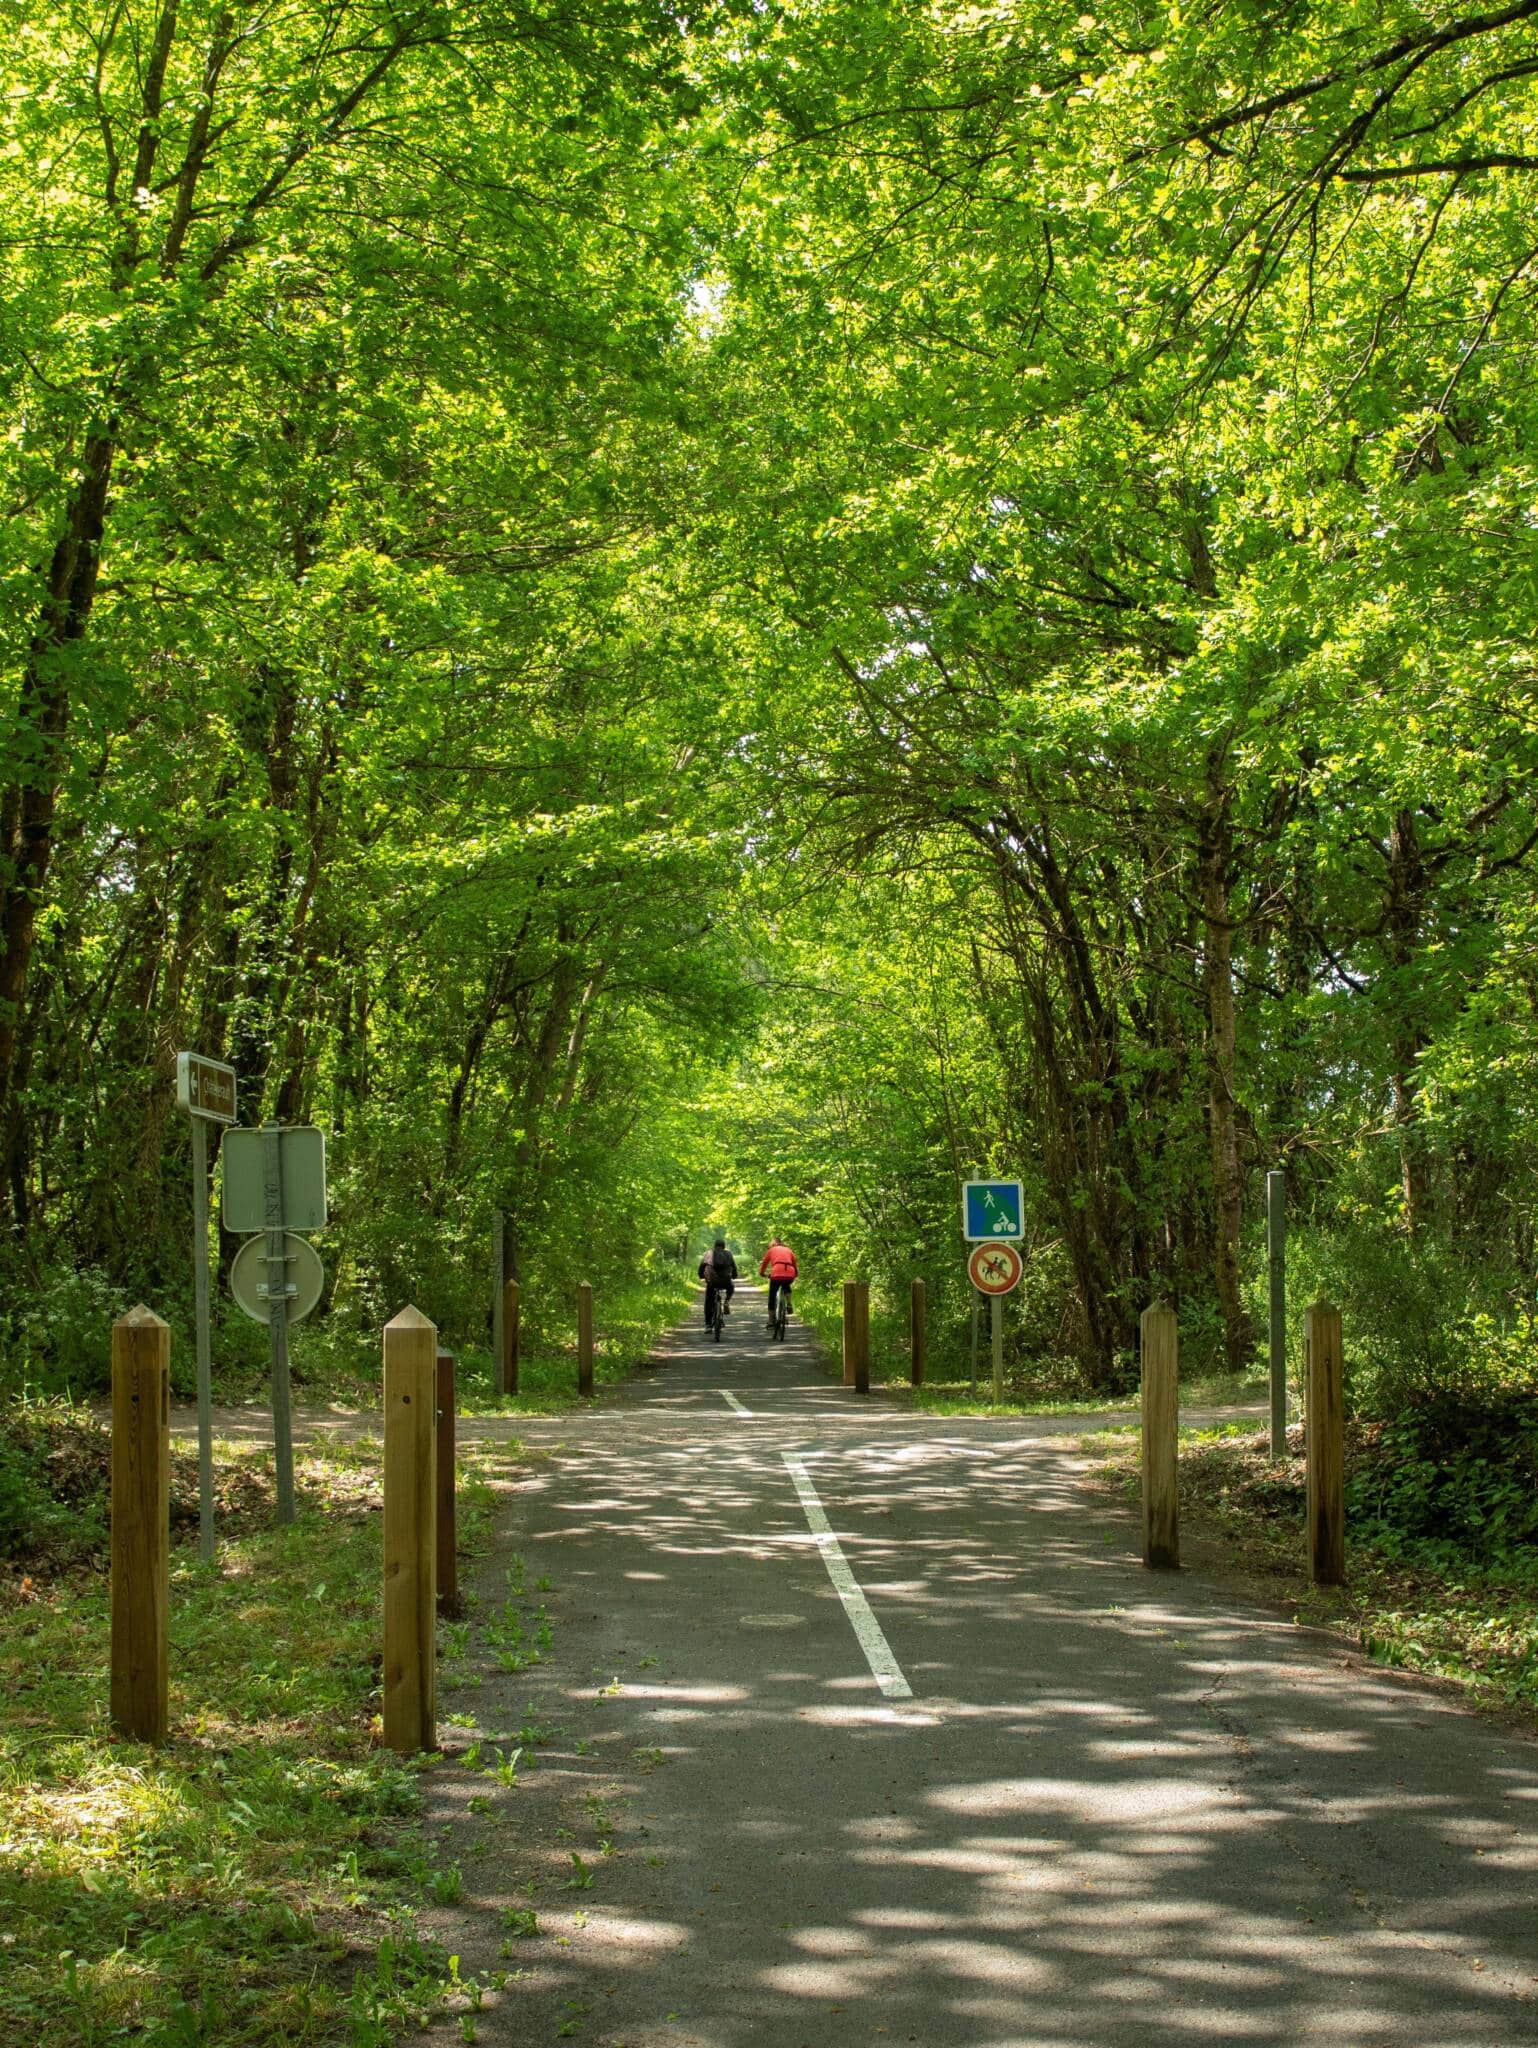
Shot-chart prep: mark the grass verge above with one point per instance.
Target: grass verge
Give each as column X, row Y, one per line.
column 254, row 1881
column 955, row 1397
column 1415, row 1603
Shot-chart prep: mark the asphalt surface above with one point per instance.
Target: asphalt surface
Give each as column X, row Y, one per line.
column 1116, row 1808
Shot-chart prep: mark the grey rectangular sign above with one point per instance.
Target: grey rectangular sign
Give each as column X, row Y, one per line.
column 303, row 1151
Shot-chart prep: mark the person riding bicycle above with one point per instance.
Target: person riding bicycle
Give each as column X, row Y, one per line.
column 779, row 1262
column 718, row 1269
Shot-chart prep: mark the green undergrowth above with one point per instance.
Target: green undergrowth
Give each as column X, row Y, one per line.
column 627, row 1321
column 1442, row 1535
column 334, row 1367
column 254, row 1881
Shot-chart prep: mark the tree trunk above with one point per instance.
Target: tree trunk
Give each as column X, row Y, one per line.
column 1215, row 859
column 1402, row 930
column 42, row 720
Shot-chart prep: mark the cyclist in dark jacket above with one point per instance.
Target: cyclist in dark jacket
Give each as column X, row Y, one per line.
column 718, row 1269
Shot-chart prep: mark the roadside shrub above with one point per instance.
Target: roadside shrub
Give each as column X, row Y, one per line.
column 57, row 1331
column 1418, row 1319
column 54, row 1484
column 1446, row 1474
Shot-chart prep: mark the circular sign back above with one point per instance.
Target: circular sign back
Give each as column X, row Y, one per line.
column 995, row 1268
column 303, row 1270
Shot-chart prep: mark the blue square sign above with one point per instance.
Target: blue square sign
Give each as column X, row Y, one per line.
column 991, row 1208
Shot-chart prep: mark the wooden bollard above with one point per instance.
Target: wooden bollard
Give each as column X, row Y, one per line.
column 585, row 1340
column 1322, row 1359
column 857, row 1335
column 509, row 1359
column 1159, row 1341
column 916, row 1333
column 141, row 1525
column 447, row 1533
column 410, row 1533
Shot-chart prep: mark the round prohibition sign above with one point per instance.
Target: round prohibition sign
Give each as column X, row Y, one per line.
column 995, row 1268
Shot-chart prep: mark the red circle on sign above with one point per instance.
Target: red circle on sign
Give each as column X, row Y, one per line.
column 995, row 1268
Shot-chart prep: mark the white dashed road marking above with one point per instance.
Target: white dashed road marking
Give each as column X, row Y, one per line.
column 884, row 1666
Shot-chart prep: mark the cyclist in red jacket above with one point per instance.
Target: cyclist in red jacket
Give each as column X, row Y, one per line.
column 779, row 1262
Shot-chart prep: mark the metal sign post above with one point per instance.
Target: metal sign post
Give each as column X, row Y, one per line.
column 498, row 1306
column 275, row 1184
column 974, row 1343
column 1276, row 1247
column 204, row 1338
column 277, row 1317
column 206, row 1090
column 995, row 1269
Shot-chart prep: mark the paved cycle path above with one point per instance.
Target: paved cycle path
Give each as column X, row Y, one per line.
column 1052, row 1801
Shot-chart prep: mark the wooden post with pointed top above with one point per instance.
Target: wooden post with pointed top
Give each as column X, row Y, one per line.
column 1322, row 1361
column 585, row 1340
column 410, row 1533
column 141, row 1525
column 916, row 1333
column 449, row 1605
column 857, row 1335
column 509, row 1359
column 1159, row 1343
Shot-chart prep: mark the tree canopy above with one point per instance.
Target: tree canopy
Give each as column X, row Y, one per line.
column 666, row 617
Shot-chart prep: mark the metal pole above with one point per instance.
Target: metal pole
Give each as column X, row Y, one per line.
column 498, row 1309
column 996, row 1306
column 277, row 1317
column 205, row 1350
column 1276, row 1247
column 974, row 1343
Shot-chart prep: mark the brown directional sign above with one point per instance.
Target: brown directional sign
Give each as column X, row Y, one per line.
column 205, row 1087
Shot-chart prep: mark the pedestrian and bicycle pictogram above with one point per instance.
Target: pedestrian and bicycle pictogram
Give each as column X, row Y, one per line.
column 991, row 1209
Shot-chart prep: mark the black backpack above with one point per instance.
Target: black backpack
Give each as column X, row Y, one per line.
column 721, row 1261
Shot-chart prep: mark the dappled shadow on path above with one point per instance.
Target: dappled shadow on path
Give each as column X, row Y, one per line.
column 1119, row 1809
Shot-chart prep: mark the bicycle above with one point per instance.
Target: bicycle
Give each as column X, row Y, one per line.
column 777, row 1321
column 717, row 1313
